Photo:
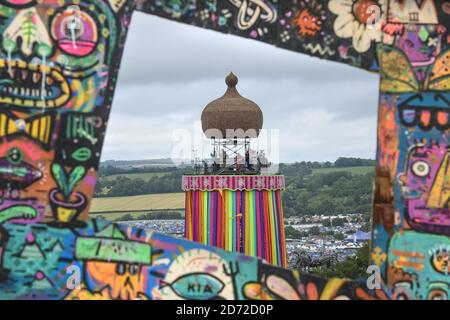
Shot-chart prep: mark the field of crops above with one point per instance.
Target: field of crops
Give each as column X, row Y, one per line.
column 144, row 176
column 163, row 201
column 353, row 170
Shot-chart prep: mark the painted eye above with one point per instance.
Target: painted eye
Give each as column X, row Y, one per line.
column 409, row 116
column 133, row 269
column 409, row 43
column 121, row 269
column 402, row 291
column 420, row 168
column 15, row 156
column 197, row 286
column 75, row 31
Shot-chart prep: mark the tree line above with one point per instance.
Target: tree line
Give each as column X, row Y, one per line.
column 306, row 167
column 125, row 186
column 307, row 193
column 339, row 192
column 112, row 170
column 154, row 215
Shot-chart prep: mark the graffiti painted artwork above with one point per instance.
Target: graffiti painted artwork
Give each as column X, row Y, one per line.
column 59, row 62
column 414, row 63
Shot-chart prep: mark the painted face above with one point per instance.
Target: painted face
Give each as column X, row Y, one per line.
column 307, row 24
column 425, row 188
column 24, row 171
column 123, row 279
column 420, row 43
column 57, row 76
column 426, row 111
column 420, row 272
column 55, row 56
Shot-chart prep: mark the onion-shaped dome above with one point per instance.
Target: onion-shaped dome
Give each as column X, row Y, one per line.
column 232, row 112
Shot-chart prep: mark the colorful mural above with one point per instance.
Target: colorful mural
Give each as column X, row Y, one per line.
column 59, row 63
column 414, row 60
column 58, row 72
column 103, row 260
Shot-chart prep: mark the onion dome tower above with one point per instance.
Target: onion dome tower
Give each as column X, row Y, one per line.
column 232, row 111
column 229, row 203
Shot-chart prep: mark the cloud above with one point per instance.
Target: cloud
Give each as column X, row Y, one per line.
column 159, row 50
column 170, row 71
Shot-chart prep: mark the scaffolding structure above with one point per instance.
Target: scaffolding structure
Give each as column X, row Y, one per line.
column 231, row 157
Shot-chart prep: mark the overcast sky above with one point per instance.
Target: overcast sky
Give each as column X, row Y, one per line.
column 170, row 71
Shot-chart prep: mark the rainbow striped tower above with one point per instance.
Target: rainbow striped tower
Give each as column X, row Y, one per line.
column 230, row 205
column 237, row 213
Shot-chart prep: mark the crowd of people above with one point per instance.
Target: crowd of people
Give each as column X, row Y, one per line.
column 249, row 163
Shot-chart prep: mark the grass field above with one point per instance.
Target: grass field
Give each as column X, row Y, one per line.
column 353, row 170
column 144, row 176
column 151, row 202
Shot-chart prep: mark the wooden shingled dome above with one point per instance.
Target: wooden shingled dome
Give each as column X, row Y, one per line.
column 234, row 112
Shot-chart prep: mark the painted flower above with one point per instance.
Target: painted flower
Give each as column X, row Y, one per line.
column 222, row 183
column 310, row 18
column 259, row 182
column 360, row 20
column 378, row 256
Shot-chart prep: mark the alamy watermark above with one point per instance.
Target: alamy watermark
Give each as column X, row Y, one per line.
column 374, row 280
